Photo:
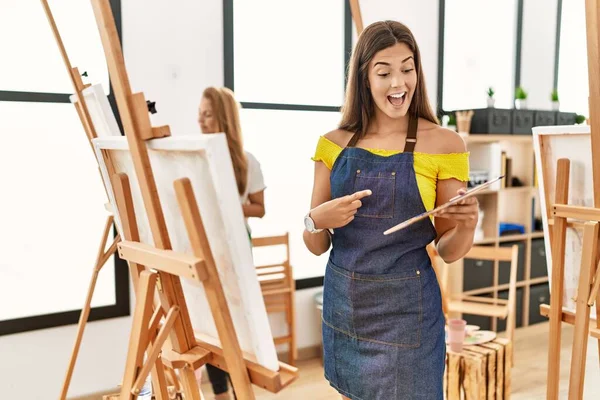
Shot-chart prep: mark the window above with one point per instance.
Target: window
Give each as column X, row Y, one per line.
column 486, row 58
column 573, row 86
column 290, row 81
column 36, row 64
column 52, row 209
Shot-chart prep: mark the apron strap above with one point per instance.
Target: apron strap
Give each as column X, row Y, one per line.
column 411, row 135
column 353, row 140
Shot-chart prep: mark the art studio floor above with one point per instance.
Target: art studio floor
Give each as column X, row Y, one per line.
column 528, row 374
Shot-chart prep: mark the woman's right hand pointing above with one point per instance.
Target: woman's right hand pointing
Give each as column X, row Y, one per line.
column 338, row 212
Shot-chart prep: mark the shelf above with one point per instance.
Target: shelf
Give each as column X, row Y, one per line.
column 537, row 235
column 488, row 138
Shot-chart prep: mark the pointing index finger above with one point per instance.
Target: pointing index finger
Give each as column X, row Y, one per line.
column 360, row 195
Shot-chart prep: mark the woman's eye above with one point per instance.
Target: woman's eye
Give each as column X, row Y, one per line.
column 408, row 70
column 382, row 74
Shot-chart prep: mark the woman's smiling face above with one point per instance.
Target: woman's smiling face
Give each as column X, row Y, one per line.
column 393, row 79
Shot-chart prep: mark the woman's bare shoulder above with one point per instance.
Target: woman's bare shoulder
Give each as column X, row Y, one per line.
column 340, row 137
column 441, row 140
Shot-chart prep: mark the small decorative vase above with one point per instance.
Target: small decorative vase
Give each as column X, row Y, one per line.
column 490, row 102
column 555, row 105
column 521, row 104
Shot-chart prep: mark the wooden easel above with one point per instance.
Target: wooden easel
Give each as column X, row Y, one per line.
column 103, row 255
column 174, row 344
column 589, row 274
column 356, row 16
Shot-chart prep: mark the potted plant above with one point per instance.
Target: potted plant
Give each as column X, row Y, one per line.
column 520, row 98
column 490, row 98
column 452, row 121
column 579, row 119
column 554, row 98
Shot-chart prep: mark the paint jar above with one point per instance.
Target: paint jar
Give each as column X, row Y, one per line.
column 456, row 334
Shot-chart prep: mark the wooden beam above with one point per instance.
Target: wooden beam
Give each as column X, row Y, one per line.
column 214, row 289
column 356, row 16
column 156, row 349
column 558, row 276
column 576, row 212
column 582, row 313
column 180, row 264
column 567, row 316
column 260, row 376
column 194, row 358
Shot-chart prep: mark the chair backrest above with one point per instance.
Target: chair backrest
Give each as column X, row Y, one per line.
column 493, row 253
column 487, row 253
column 279, row 267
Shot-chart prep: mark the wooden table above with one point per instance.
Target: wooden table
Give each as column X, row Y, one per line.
column 480, row 372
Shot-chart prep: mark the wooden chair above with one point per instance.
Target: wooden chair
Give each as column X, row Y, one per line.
column 278, row 289
column 469, row 303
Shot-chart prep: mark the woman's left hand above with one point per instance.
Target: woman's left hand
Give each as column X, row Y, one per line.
column 465, row 213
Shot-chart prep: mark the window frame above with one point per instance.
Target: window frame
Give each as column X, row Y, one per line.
column 121, row 307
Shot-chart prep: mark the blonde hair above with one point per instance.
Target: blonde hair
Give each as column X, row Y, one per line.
column 359, row 107
column 226, row 112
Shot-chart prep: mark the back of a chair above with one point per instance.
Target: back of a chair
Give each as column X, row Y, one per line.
column 285, row 264
column 510, row 254
column 493, row 253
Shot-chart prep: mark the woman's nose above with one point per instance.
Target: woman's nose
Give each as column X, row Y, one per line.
column 397, row 80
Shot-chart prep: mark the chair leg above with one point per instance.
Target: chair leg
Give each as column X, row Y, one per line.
column 293, row 351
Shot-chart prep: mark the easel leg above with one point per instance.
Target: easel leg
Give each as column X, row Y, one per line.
column 85, row 311
column 138, row 339
column 589, row 253
column 558, row 273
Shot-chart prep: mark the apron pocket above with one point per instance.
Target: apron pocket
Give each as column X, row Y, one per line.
column 380, row 204
column 388, row 309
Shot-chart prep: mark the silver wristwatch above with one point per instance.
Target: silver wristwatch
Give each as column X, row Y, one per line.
column 309, row 224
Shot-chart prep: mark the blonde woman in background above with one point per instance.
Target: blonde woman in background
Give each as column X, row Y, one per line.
column 219, row 113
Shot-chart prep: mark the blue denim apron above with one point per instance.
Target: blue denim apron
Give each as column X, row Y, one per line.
column 383, row 325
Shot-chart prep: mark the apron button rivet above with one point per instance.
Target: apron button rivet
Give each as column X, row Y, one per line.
column 418, row 272
column 358, row 171
column 393, row 173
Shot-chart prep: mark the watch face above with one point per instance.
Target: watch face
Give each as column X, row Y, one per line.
column 309, row 224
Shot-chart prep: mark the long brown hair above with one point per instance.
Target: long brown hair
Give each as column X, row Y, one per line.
column 226, row 112
column 359, row 107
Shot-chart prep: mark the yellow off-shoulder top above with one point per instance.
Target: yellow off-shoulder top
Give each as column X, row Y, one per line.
column 429, row 168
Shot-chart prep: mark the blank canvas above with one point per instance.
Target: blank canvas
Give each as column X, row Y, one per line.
column 205, row 160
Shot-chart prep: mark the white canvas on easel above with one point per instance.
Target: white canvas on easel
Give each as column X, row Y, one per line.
column 550, row 144
column 204, row 159
column 103, row 118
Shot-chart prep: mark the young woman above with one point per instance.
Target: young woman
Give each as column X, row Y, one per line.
column 383, row 326
column 219, row 112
